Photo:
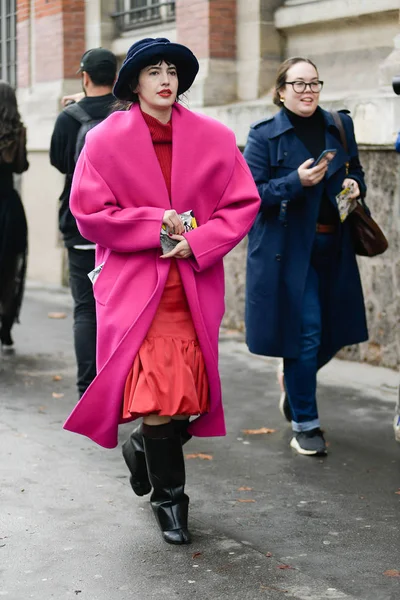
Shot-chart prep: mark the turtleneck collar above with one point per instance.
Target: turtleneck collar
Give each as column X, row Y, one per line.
column 316, row 117
column 161, row 133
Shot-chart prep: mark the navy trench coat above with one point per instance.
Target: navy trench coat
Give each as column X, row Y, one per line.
column 281, row 240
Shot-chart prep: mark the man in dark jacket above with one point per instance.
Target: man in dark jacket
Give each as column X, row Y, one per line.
column 98, row 69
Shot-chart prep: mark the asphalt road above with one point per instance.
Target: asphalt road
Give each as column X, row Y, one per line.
column 306, row 528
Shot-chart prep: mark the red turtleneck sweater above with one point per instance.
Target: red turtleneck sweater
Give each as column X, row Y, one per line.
column 161, row 136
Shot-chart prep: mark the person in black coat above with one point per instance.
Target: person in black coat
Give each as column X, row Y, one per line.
column 98, row 69
column 13, row 225
column 304, row 298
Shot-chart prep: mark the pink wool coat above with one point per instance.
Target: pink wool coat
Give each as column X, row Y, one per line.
column 119, row 198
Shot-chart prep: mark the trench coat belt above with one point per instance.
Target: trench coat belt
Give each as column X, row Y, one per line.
column 322, row 228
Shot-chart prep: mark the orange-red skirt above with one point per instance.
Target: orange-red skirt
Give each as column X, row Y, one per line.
column 168, row 376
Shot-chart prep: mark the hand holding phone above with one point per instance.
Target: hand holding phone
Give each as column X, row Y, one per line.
column 327, row 155
column 310, row 175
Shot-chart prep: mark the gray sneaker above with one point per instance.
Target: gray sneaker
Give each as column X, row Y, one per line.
column 309, row 443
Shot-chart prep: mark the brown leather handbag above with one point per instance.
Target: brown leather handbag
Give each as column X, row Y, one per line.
column 368, row 237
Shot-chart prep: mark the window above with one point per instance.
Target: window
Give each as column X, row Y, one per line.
column 133, row 14
column 8, row 42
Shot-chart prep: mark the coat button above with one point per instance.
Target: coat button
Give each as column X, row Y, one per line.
column 278, row 257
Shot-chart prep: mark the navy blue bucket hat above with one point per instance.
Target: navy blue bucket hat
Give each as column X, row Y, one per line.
column 140, row 55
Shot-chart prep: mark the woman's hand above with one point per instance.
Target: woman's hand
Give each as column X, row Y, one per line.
column 310, row 177
column 353, row 185
column 173, row 222
column 181, row 250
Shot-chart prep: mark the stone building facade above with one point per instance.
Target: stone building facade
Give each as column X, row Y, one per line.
column 239, row 43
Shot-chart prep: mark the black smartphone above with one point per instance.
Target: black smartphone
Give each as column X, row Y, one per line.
column 328, row 154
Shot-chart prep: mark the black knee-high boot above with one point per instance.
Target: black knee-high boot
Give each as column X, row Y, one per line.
column 5, row 330
column 133, row 453
column 166, row 469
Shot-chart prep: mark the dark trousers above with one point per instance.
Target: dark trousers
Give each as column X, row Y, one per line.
column 81, row 262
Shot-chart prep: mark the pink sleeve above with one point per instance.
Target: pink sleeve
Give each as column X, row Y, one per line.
column 102, row 221
column 231, row 221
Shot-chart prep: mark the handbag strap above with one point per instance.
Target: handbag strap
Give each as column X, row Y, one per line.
column 343, row 137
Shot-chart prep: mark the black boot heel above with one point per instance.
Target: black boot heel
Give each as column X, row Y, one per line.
column 133, row 453
column 166, row 468
column 172, row 520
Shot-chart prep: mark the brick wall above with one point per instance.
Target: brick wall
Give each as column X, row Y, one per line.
column 192, row 25
column 58, row 36
column 74, row 35
column 46, row 8
column 23, row 10
column 223, row 28
column 207, row 27
column 23, row 50
column 48, row 48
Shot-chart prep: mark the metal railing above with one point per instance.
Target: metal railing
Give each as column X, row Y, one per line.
column 134, row 14
column 8, row 42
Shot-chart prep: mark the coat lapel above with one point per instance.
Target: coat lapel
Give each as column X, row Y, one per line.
column 184, row 152
column 291, row 152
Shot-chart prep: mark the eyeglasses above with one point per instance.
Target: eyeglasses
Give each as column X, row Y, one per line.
column 300, row 86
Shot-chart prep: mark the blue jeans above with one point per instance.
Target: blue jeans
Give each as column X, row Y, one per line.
column 301, row 373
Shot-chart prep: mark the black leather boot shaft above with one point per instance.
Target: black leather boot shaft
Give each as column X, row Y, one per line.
column 133, row 453
column 166, row 469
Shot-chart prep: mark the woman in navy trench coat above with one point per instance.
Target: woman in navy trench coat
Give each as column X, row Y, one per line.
column 304, row 299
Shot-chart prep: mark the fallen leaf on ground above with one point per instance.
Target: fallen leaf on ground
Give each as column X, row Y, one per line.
column 199, row 455
column 392, row 573
column 398, row 492
column 244, row 488
column 244, row 500
column 57, row 378
column 57, row 315
column 268, row 554
column 258, row 431
column 56, row 395
column 197, row 554
column 274, row 589
column 285, row 567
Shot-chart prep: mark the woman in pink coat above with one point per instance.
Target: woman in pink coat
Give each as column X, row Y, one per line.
column 158, row 314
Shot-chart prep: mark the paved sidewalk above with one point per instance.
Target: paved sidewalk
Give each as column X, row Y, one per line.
column 309, row 529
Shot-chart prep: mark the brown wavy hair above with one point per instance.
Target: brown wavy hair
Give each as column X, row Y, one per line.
column 282, row 72
column 10, row 123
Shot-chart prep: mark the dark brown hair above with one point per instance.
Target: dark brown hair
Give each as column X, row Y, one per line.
column 282, row 72
column 10, row 123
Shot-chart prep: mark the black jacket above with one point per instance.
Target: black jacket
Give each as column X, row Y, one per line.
column 62, row 150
